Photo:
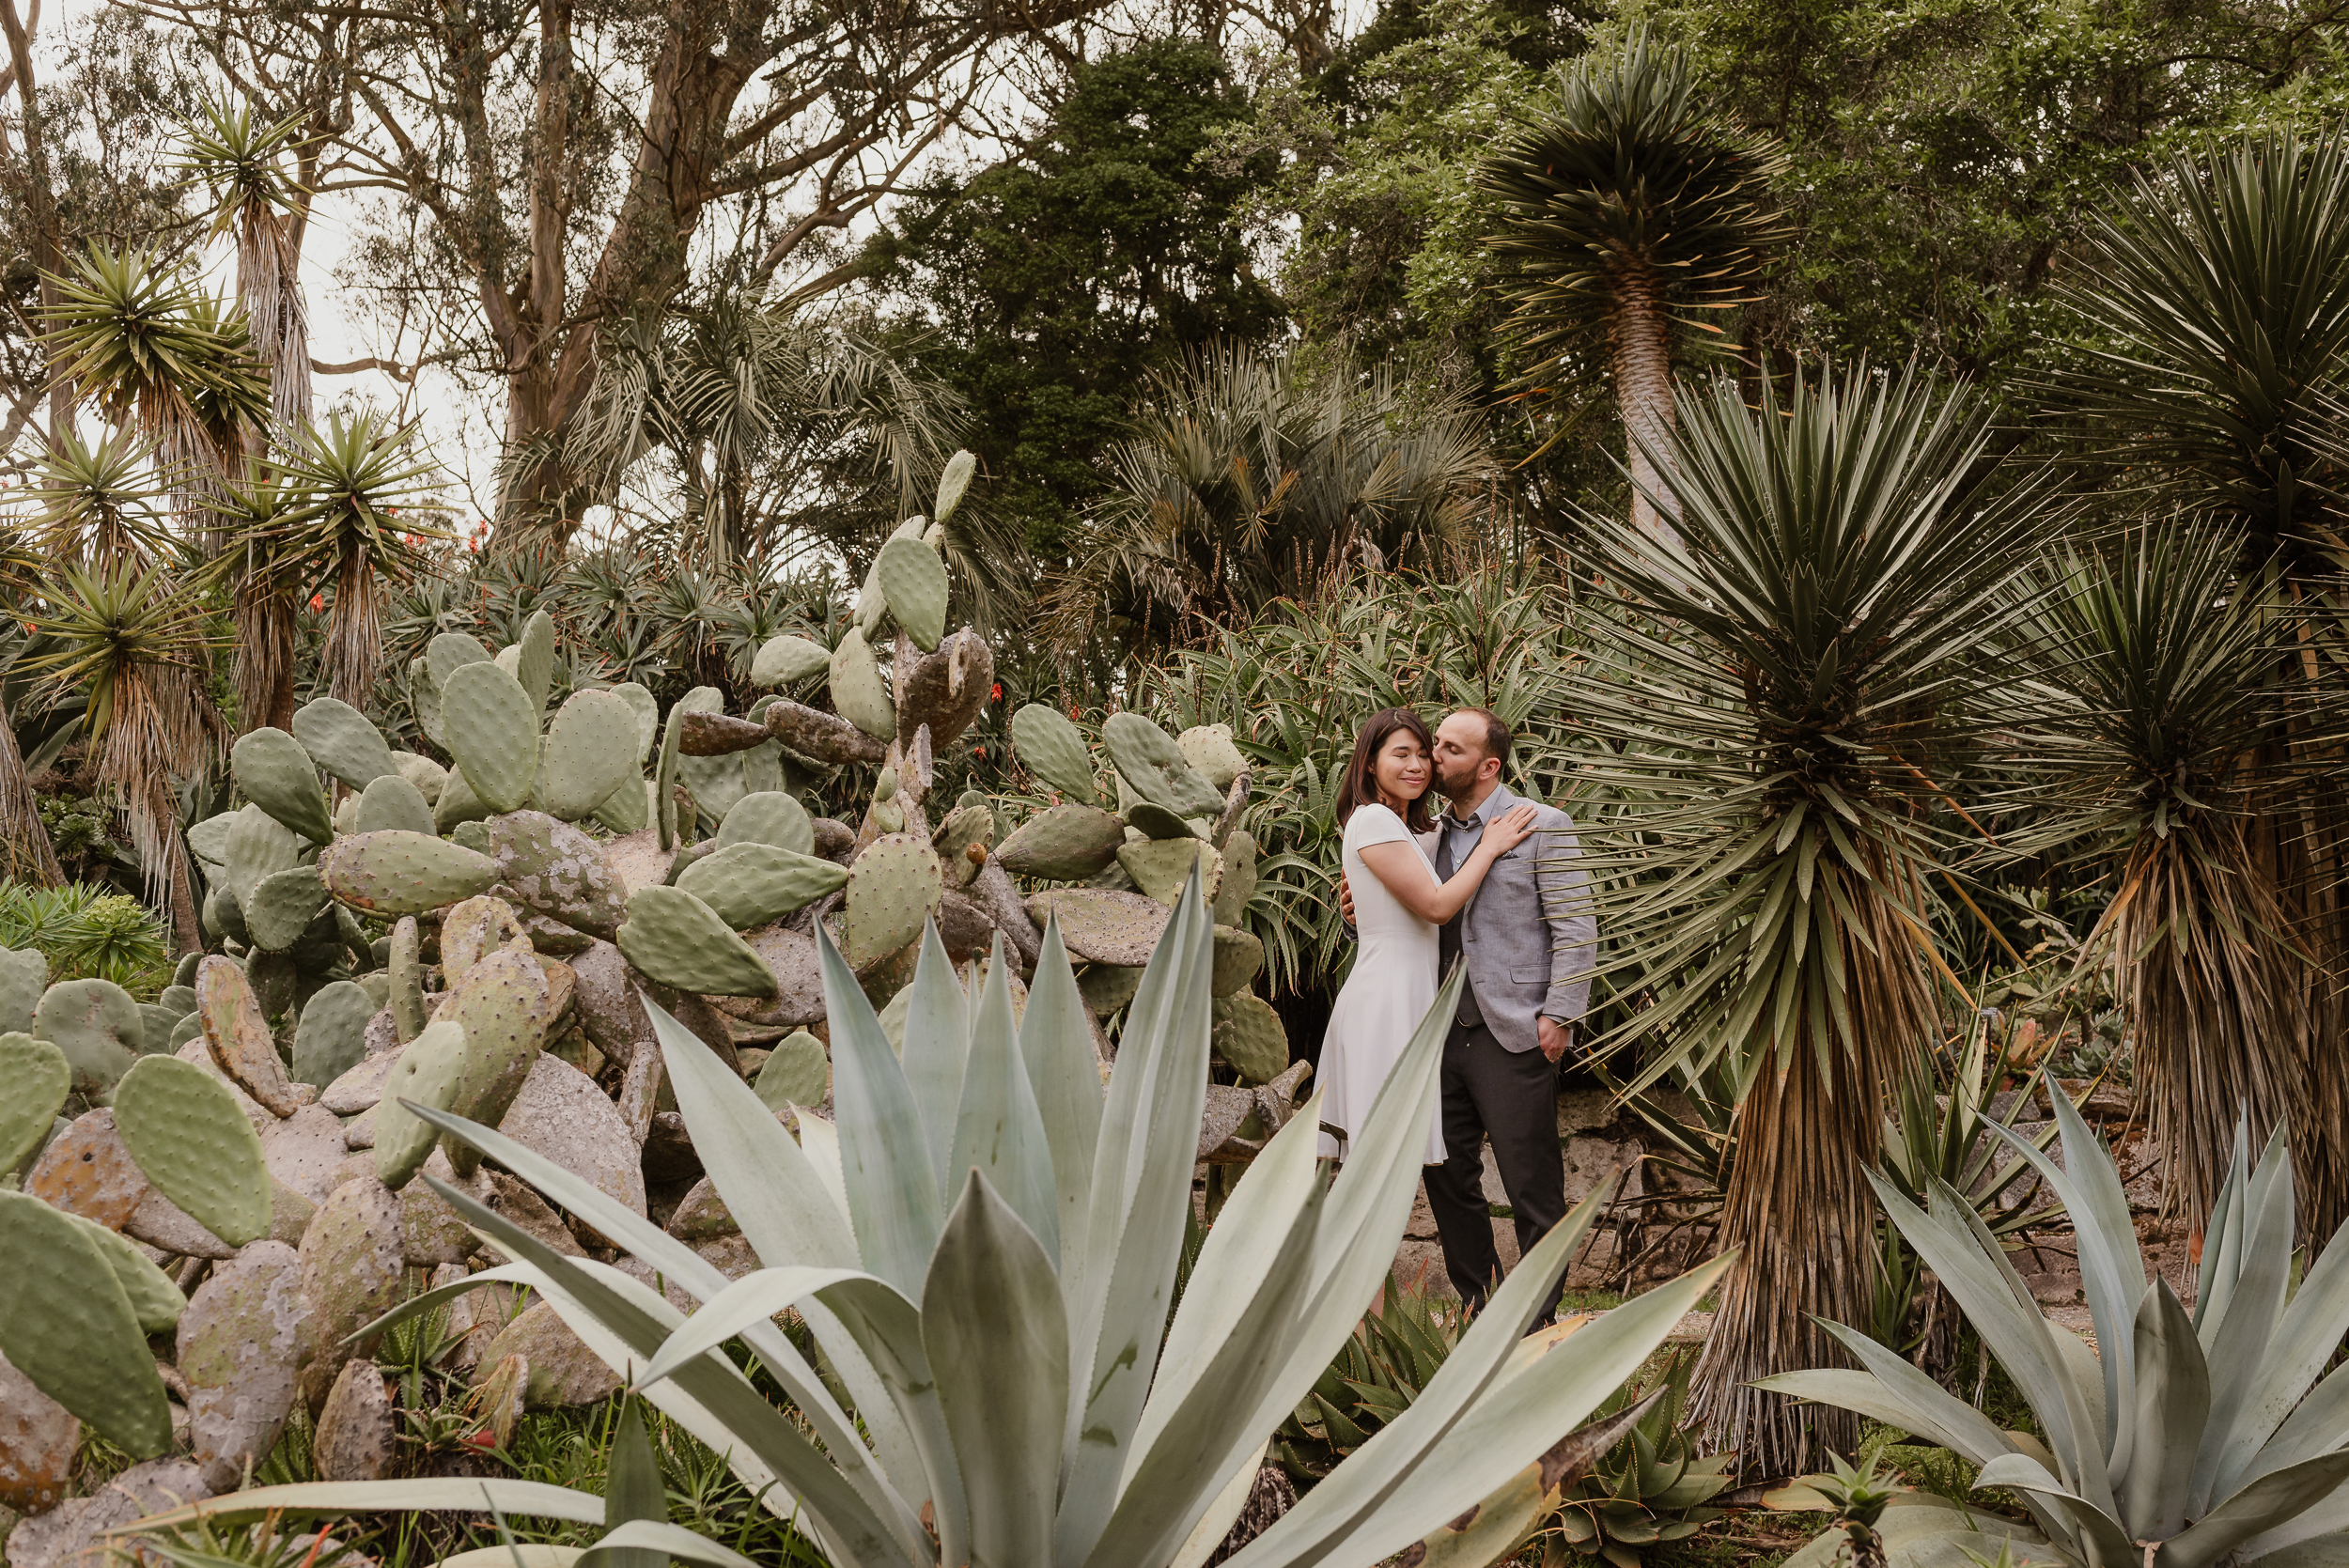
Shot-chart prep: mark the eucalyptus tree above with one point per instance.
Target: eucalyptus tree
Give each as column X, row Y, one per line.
column 1780, row 692
column 1635, row 215
column 2209, row 376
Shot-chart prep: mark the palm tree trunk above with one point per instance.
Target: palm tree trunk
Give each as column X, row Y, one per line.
column 1798, row 1209
column 1640, row 345
column 25, row 853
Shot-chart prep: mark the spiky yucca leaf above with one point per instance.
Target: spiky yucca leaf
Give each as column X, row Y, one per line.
column 1782, row 691
column 237, row 156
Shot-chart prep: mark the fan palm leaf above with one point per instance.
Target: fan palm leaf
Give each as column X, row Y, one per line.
column 1778, row 693
column 349, row 535
column 135, row 646
column 2213, row 303
column 1635, row 215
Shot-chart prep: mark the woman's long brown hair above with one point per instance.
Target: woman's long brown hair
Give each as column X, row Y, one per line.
column 1361, row 787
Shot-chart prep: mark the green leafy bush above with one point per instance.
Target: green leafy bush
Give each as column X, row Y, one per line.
column 87, row 933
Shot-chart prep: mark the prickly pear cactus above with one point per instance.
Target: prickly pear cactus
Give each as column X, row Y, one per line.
column 1248, row 1035
column 750, row 884
column 1212, row 753
column 796, row 1073
column 892, row 889
column 427, row 1072
column 281, row 778
column 1159, row 867
column 858, row 694
column 67, row 1325
column 332, row 1037
column 769, row 817
column 787, row 661
column 679, row 940
column 182, row 1126
column 1147, row 758
column 913, row 584
column 1048, row 746
column 35, row 1081
column 98, row 1027
column 23, row 975
column 392, row 802
column 492, row 732
column 589, row 753
column 394, row 873
column 344, row 741
column 282, row 907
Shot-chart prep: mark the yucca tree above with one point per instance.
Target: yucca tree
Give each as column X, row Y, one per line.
column 262, row 523
column 2213, row 303
column 1778, row 693
column 154, row 353
column 240, row 160
column 348, row 535
column 1635, row 216
column 133, row 644
column 98, row 500
column 1246, row 479
column 2139, row 747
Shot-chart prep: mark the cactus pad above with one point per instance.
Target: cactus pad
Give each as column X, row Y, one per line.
column 821, row 737
column 1155, row 821
column 474, row 929
column 493, row 734
column 1239, row 959
column 282, row 907
column 534, row 660
column 98, row 1027
column 677, row 939
column 717, row 735
column 1147, row 758
column 424, row 695
column 966, row 829
column 406, row 964
column 504, row 1005
column 332, row 1037
column 237, row 1035
column 858, row 694
column 714, row 782
column 1102, row 926
column 1063, row 844
column 23, row 975
column 627, row 809
column 35, row 1080
column 1213, row 755
column 893, row 887
column 67, row 1324
column 952, row 481
column 750, row 884
column 458, row 805
column 184, row 1127
column 428, row 1071
column 648, row 710
column 258, row 844
column 1240, row 877
column 426, row 774
column 1048, row 746
column 155, row 1301
column 278, row 776
column 590, row 752
column 1159, row 867
column 556, row 870
column 796, row 1072
column 344, row 741
column 1107, row 988
column 449, row 652
column 945, row 689
column 404, row 874
column 1249, row 1036
column 392, row 802
column 912, row 580
column 787, row 660
column 769, row 817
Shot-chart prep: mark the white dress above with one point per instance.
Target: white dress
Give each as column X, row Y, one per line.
column 1389, row 992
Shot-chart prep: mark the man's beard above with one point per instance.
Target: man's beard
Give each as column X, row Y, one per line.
column 1450, row 784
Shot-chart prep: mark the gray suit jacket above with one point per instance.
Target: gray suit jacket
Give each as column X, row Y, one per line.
column 1529, row 937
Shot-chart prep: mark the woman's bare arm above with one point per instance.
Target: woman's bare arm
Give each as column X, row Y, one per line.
column 1402, row 870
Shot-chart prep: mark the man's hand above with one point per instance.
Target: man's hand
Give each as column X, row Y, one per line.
column 1345, row 899
column 1555, row 1037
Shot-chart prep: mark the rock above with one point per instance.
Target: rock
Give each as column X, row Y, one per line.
column 669, row 1154
column 303, row 1150
column 604, row 1000
column 356, row 1440
column 791, row 956
column 86, row 1171
column 702, row 1215
column 1590, row 1161
column 563, row 1371
column 730, row 1255
column 637, row 859
column 197, row 1051
column 477, row 1317
column 642, row 1272
column 561, row 1114
column 431, row 1231
column 516, row 1203
column 168, row 1227
column 382, row 1034
column 360, row 1088
column 359, row 1132
column 74, row 1534
column 640, row 1089
column 241, row 1343
column 353, row 1258
column 37, row 1436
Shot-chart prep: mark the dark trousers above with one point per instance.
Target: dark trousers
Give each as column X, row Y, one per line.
column 1512, row 1097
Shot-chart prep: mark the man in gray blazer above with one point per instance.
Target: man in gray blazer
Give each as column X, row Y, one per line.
column 1530, row 940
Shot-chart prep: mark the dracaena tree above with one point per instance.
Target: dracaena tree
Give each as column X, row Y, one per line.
column 239, row 158
column 1782, row 691
column 2210, row 377
column 1635, row 215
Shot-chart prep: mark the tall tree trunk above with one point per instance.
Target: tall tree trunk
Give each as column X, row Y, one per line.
column 1798, row 1209
column 41, row 199
column 1638, row 341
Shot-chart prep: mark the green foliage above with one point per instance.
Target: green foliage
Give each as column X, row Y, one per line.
column 1380, row 1370
column 88, row 933
column 1059, row 278
column 1652, row 1489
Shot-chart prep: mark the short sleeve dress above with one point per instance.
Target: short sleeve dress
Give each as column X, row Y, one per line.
column 1389, row 992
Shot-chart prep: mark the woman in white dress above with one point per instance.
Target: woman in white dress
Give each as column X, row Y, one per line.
column 1398, row 905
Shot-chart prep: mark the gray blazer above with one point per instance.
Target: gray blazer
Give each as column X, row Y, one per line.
column 1530, row 936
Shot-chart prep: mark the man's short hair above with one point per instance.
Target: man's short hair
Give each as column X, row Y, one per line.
column 1497, row 736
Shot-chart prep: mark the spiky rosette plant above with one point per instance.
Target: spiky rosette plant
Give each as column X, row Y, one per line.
column 238, row 156
column 2140, row 749
column 985, row 1247
column 1635, row 214
column 1780, row 693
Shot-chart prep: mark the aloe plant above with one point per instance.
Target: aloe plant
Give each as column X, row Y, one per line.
column 984, row 1248
column 2191, row 1438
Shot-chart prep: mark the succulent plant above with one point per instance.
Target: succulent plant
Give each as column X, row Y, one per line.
column 1652, row 1488
column 2188, row 1438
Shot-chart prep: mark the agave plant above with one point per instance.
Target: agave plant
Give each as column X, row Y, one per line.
column 1779, row 697
column 984, row 1248
column 1633, row 213
column 1653, row 1488
column 2187, row 1438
